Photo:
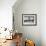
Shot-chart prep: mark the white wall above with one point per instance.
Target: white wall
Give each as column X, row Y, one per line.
column 43, row 22
column 32, row 32
column 6, row 13
column 28, row 7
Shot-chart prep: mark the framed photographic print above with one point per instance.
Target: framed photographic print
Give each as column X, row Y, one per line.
column 29, row 19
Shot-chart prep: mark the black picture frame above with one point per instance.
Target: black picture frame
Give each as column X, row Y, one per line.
column 29, row 19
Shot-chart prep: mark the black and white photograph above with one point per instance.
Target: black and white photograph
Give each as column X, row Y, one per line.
column 22, row 22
